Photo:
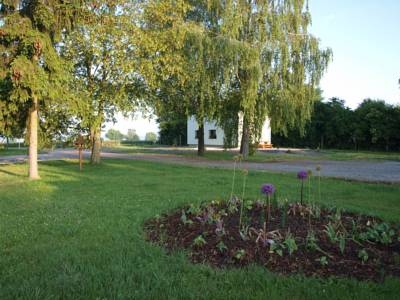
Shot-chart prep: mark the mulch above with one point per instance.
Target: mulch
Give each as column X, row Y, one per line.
column 171, row 232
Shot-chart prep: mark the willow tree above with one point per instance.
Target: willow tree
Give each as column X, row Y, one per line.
column 173, row 58
column 203, row 58
column 102, row 51
column 289, row 63
column 32, row 73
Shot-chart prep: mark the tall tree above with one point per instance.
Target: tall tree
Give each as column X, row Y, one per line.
column 377, row 124
column 151, row 137
column 114, row 135
column 105, row 75
column 205, row 59
column 132, row 136
column 288, row 64
column 32, row 73
column 254, row 57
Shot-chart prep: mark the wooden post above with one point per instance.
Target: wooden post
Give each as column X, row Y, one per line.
column 80, row 158
column 79, row 143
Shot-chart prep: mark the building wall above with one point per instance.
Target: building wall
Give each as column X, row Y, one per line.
column 266, row 132
column 192, row 126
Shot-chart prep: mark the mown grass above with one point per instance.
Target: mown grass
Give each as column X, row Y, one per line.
column 13, row 151
column 261, row 156
column 75, row 235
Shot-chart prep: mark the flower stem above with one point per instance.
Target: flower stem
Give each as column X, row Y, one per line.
column 233, row 180
column 269, row 208
column 242, row 202
column 301, row 194
column 319, row 186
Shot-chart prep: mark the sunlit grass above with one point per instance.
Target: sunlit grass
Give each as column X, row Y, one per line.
column 78, row 235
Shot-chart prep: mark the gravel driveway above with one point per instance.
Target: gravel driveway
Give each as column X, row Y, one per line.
column 382, row 171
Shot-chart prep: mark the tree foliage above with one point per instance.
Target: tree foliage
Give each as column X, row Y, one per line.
column 373, row 125
column 32, row 74
column 151, row 137
column 132, row 136
column 114, row 135
column 256, row 57
column 102, row 52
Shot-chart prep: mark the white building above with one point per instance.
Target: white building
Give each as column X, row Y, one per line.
column 214, row 135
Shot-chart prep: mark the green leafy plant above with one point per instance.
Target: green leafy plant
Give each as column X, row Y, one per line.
column 311, row 241
column 248, row 204
column 323, row 261
column 277, row 248
column 193, row 210
column 240, row 254
column 315, row 211
column 184, row 219
column 363, row 255
column 290, row 243
column 221, row 247
column 331, row 233
column 199, row 241
column 336, row 217
column 379, row 233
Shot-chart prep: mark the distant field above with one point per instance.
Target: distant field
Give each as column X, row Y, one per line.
column 12, row 151
column 262, row 156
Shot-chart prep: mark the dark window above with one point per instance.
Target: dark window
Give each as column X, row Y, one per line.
column 212, row 134
column 196, row 134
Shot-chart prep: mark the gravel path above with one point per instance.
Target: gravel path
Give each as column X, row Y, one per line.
column 385, row 171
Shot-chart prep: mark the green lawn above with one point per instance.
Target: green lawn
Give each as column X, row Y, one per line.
column 262, row 156
column 78, row 235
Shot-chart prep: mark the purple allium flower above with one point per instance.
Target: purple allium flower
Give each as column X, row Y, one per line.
column 302, row 175
column 267, row 189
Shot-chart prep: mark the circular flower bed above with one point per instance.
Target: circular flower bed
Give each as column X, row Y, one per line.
column 285, row 238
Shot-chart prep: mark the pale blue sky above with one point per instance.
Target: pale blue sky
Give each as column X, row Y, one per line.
column 365, row 38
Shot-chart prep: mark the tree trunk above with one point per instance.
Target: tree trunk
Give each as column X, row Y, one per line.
column 245, row 143
column 201, row 149
column 33, row 139
column 95, row 135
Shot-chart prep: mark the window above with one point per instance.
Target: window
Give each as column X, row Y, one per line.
column 196, row 134
column 212, row 134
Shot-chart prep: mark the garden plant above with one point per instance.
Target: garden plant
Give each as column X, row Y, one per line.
column 286, row 237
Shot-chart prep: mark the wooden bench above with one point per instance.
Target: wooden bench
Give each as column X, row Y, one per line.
column 265, row 145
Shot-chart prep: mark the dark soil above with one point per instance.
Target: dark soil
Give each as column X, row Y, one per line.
column 200, row 233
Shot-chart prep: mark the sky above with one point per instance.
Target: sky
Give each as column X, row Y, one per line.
column 364, row 36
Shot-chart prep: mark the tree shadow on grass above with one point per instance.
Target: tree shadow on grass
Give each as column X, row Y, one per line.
column 15, row 174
